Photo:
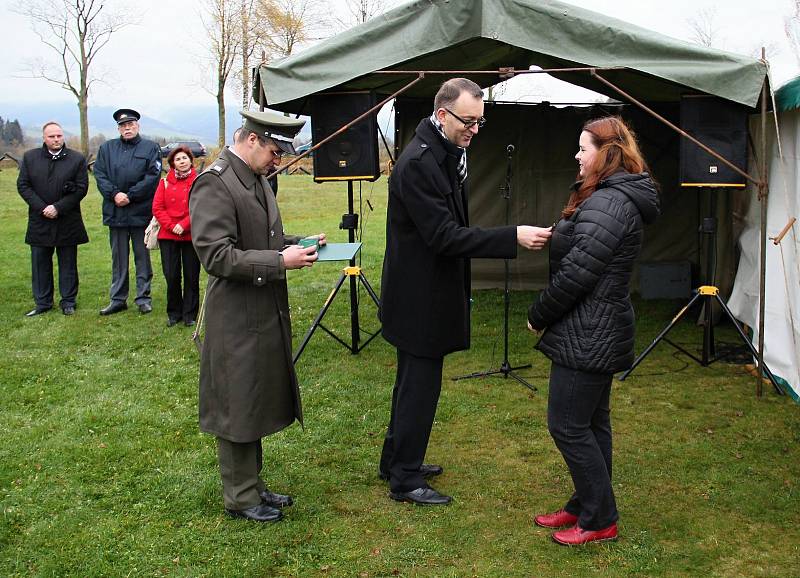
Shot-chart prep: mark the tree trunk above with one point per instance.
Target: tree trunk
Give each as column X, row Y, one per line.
column 245, row 57
column 221, row 113
column 83, row 111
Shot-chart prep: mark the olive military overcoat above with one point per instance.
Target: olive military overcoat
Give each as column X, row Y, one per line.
column 248, row 387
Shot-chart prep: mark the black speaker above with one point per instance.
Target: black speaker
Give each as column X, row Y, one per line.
column 720, row 125
column 352, row 155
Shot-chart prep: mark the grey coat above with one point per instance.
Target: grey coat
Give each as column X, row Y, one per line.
column 248, row 387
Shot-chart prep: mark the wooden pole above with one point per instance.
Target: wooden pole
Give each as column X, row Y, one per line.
column 763, row 191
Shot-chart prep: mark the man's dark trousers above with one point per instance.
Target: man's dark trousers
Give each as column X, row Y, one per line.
column 42, row 275
column 414, row 399
column 240, row 467
column 121, row 238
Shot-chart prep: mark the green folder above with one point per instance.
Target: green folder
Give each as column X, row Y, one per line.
column 338, row 251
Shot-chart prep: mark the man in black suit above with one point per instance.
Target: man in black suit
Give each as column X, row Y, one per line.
column 426, row 277
column 53, row 180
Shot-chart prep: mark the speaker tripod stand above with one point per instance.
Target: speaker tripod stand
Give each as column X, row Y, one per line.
column 709, row 294
column 505, row 369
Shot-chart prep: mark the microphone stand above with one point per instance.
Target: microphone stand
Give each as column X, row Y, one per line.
column 505, row 368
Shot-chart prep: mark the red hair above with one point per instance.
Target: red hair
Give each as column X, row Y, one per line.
column 617, row 149
column 175, row 151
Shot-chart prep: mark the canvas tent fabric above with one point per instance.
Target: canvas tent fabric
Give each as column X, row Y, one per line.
column 488, row 34
column 782, row 299
column 545, row 138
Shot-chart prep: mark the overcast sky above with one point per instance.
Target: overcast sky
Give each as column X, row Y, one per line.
column 153, row 65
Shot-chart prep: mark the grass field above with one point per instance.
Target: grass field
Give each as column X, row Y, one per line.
column 103, row 471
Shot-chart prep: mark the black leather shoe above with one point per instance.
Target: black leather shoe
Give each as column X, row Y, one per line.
column 428, row 471
column 113, row 307
column 422, row 496
column 145, row 308
column 68, row 310
column 275, row 500
column 37, row 311
column 172, row 322
column 189, row 323
column 259, row 513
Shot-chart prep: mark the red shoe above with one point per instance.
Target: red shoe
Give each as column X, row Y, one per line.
column 560, row 519
column 577, row 536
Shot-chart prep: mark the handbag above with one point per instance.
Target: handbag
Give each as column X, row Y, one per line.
column 151, row 234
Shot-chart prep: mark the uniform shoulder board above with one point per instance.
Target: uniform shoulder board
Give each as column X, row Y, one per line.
column 218, row 167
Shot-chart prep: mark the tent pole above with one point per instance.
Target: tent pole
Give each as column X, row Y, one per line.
column 676, row 128
column 763, row 192
column 373, row 110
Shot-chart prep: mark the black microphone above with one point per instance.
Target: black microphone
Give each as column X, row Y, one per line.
column 510, row 149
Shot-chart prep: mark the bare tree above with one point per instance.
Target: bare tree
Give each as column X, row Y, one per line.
column 224, row 35
column 704, row 28
column 248, row 47
column 77, row 30
column 286, row 24
column 361, row 10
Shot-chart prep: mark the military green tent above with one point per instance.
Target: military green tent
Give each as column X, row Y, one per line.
column 464, row 36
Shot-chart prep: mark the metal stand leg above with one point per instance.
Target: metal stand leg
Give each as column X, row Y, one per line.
column 505, row 368
column 355, row 274
column 708, row 293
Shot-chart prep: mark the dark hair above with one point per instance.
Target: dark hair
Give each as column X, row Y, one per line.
column 175, row 151
column 616, row 149
column 452, row 89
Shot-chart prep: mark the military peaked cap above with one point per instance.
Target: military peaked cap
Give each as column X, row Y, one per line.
column 281, row 129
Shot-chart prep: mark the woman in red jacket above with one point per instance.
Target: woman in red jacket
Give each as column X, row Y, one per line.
column 171, row 208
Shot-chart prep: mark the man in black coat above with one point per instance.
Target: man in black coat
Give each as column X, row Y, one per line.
column 53, row 180
column 425, row 287
column 127, row 172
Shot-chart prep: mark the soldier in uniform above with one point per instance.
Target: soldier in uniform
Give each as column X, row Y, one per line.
column 248, row 387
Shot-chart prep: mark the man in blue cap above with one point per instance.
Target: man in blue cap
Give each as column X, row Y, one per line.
column 127, row 172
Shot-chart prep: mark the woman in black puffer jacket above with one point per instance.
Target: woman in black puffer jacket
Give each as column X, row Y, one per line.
column 586, row 318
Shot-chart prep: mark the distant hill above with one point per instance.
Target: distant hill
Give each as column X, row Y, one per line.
column 193, row 122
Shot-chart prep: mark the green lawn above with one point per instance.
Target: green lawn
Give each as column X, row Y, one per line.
column 103, row 471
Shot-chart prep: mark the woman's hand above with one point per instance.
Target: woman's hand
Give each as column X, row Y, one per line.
column 177, row 229
column 536, row 332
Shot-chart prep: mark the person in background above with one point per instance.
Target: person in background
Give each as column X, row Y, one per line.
column 586, row 321
column 171, row 209
column 53, row 180
column 127, row 172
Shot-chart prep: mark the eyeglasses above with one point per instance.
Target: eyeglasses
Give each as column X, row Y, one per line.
column 468, row 123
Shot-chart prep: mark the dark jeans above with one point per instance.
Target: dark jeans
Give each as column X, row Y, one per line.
column 121, row 239
column 578, row 417
column 42, row 275
column 414, row 399
column 182, row 303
